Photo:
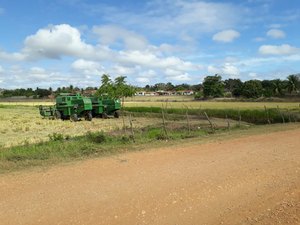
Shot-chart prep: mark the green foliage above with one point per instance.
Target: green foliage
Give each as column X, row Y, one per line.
column 255, row 116
column 234, row 86
column 56, row 137
column 293, row 83
column 252, row 89
column 213, row 86
column 115, row 89
column 39, row 93
column 198, row 95
column 97, row 137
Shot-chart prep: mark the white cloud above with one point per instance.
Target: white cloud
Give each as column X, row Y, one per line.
column 183, row 19
column 180, row 77
column 88, row 68
column 110, row 34
column 226, row 36
column 55, row 42
column 276, row 34
column 275, row 26
column 146, row 77
column 284, row 49
column 1, row 69
column 227, row 69
column 118, row 70
column 150, row 60
column 143, row 80
column 259, row 39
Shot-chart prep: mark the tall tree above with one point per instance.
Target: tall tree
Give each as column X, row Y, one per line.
column 213, row 86
column 252, row 89
column 115, row 89
column 235, row 86
column 293, row 83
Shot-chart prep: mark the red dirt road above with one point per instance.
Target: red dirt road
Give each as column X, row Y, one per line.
column 247, row 180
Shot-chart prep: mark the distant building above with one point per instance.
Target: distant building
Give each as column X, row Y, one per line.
column 185, row 92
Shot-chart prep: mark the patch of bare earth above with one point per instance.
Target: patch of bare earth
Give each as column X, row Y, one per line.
column 247, row 180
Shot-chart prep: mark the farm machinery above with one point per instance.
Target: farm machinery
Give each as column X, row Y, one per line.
column 104, row 107
column 76, row 106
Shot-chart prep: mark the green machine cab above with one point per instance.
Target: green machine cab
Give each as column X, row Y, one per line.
column 76, row 106
column 73, row 106
column 69, row 106
column 104, row 107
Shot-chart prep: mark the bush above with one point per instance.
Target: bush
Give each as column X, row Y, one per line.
column 56, row 137
column 157, row 134
column 98, row 137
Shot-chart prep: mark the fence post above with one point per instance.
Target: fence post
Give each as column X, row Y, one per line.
column 267, row 115
column 280, row 113
column 228, row 122
column 131, row 127
column 290, row 119
column 240, row 118
column 164, row 122
column 188, row 120
column 211, row 124
column 122, row 112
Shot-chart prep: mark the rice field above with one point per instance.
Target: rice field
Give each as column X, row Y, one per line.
column 217, row 105
column 183, row 104
column 20, row 122
column 21, row 125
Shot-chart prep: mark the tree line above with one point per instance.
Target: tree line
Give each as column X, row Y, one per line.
column 212, row 87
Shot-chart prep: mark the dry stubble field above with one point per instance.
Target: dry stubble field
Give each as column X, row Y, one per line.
column 23, row 124
column 20, row 122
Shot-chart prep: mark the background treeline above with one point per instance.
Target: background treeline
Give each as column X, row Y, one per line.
column 212, row 87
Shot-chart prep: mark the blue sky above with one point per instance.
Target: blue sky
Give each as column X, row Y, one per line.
column 62, row 42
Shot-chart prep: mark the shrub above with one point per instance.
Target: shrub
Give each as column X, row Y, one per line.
column 97, row 137
column 56, row 137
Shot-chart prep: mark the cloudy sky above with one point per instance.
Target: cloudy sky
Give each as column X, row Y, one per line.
column 61, row 42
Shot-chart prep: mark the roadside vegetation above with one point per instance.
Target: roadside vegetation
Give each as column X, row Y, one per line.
column 27, row 140
column 62, row 141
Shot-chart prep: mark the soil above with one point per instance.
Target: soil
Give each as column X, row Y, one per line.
column 246, row 180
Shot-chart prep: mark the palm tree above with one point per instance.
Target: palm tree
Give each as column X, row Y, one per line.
column 293, row 83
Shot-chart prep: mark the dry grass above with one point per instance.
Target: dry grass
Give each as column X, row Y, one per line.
column 22, row 125
column 182, row 101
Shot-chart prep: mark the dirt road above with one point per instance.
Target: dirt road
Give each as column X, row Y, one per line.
column 247, row 180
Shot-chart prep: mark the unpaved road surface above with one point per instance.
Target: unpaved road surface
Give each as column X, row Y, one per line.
column 247, row 180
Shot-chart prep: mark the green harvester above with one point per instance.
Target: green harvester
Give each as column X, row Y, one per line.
column 104, row 107
column 76, row 106
column 69, row 106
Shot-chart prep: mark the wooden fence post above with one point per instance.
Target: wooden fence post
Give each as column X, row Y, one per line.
column 164, row 122
column 211, row 124
column 131, row 127
column 267, row 115
column 188, row 120
column 228, row 122
column 281, row 114
column 240, row 118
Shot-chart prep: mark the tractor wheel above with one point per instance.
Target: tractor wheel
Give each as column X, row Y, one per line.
column 104, row 115
column 88, row 116
column 117, row 114
column 57, row 115
column 74, row 117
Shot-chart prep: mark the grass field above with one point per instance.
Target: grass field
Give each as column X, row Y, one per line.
column 179, row 104
column 218, row 105
column 20, row 122
column 21, row 125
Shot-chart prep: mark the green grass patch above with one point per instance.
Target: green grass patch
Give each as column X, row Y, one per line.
column 255, row 116
column 62, row 148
